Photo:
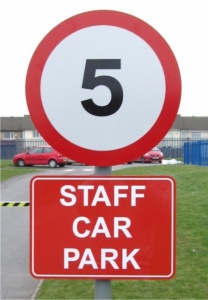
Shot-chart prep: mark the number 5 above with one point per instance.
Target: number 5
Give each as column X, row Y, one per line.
column 90, row 81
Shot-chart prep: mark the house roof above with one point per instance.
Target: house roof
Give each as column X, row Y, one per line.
column 190, row 123
column 17, row 123
column 27, row 123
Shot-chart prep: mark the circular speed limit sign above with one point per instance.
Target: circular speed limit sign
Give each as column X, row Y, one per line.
column 103, row 87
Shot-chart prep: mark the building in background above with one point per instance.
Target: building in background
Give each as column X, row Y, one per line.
column 18, row 128
column 189, row 128
column 186, row 128
column 18, row 134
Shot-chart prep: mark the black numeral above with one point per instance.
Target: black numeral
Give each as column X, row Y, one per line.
column 90, row 81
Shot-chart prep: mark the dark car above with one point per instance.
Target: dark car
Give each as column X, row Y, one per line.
column 43, row 155
column 154, row 155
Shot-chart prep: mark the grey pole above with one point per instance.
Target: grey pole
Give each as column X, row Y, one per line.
column 102, row 288
column 103, row 170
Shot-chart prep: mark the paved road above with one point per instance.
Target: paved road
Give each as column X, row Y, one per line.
column 16, row 281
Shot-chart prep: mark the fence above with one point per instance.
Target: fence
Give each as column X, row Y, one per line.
column 196, row 153
column 11, row 147
column 171, row 148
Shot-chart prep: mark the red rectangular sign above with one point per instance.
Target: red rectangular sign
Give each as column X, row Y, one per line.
column 102, row 227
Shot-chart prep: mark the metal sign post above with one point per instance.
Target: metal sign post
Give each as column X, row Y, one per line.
column 102, row 288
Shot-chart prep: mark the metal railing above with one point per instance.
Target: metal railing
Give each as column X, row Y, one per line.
column 171, row 148
column 11, row 147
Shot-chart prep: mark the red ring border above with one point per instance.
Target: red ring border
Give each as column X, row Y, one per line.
column 164, row 120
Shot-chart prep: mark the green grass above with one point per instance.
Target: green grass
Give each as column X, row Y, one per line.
column 191, row 279
column 8, row 169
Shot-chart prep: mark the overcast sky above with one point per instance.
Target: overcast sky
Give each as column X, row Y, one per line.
column 183, row 24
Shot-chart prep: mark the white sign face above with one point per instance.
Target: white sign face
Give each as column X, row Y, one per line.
column 61, row 85
column 103, row 88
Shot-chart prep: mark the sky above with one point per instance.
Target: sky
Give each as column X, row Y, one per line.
column 182, row 23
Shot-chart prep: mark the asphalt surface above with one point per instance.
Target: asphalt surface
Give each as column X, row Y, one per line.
column 16, row 281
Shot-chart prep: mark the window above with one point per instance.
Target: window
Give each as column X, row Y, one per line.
column 196, row 135
column 9, row 135
column 36, row 134
column 169, row 135
column 36, row 150
column 47, row 150
column 184, row 135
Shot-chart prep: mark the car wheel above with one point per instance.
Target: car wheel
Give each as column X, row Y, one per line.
column 20, row 163
column 52, row 163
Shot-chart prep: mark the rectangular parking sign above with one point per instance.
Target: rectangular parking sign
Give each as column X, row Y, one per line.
column 102, row 227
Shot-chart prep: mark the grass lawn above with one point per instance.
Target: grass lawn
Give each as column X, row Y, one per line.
column 8, row 169
column 191, row 279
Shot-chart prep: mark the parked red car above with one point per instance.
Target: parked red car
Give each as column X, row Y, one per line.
column 151, row 156
column 44, row 155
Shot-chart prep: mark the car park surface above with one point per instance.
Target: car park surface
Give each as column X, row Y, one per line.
column 16, row 281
